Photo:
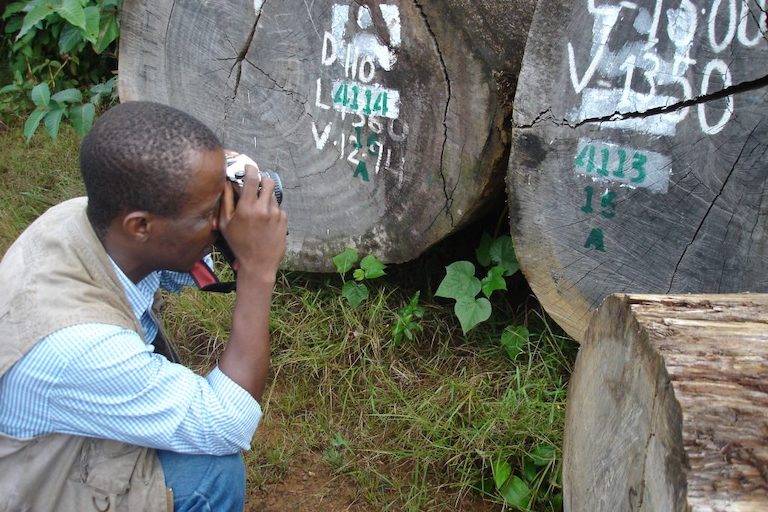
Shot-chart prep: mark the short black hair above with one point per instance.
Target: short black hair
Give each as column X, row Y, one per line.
column 136, row 158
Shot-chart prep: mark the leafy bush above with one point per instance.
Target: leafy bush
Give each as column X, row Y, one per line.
column 60, row 57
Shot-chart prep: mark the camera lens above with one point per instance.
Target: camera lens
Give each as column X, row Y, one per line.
column 278, row 184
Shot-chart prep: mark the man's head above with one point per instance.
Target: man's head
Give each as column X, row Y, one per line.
column 155, row 178
column 136, row 157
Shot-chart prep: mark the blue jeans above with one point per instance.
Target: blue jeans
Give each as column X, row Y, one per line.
column 204, row 483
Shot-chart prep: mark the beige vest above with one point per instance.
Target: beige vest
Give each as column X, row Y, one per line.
column 56, row 275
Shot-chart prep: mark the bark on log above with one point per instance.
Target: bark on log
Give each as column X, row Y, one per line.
column 388, row 122
column 638, row 160
column 668, row 406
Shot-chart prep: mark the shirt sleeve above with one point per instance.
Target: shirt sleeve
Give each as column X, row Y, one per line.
column 113, row 386
column 175, row 281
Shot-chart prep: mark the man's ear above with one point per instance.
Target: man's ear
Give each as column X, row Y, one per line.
column 137, row 225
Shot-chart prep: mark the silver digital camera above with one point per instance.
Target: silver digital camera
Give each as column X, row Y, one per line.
column 236, row 174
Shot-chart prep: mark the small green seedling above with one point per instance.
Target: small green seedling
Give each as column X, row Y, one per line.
column 355, row 291
column 406, row 324
column 335, row 454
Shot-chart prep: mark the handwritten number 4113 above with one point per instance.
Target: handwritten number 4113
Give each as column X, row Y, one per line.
column 587, row 160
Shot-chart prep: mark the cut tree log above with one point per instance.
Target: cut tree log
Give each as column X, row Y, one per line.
column 668, row 406
column 388, row 122
column 638, row 160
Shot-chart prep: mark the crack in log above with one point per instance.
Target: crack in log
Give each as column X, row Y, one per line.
column 539, row 117
column 712, row 205
column 168, row 25
column 239, row 58
column 444, row 68
column 746, row 86
column 757, row 20
column 242, row 54
column 304, row 100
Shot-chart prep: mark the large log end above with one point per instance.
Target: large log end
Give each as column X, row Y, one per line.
column 668, row 406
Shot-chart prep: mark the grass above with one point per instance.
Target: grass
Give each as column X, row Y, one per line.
column 34, row 178
column 417, row 426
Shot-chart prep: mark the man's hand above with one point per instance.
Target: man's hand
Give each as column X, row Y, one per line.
column 254, row 226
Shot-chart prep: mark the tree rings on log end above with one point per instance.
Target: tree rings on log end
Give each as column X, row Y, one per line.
column 383, row 119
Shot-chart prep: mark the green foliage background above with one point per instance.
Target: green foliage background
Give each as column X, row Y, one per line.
column 61, row 60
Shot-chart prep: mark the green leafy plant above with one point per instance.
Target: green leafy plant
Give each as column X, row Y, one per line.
column 335, row 454
column 355, row 291
column 461, row 284
column 406, row 324
column 512, row 488
column 539, row 480
column 514, row 339
column 51, row 109
column 60, row 55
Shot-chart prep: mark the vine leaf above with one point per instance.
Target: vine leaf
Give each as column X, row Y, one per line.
column 459, row 282
column 372, row 267
column 345, row 260
column 503, row 253
column 355, row 293
column 494, row 280
column 471, row 312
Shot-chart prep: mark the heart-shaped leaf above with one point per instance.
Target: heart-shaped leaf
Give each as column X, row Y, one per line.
column 345, row 260
column 372, row 267
column 355, row 293
column 514, row 339
column 471, row 312
column 503, row 254
column 493, row 281
column 459, row 281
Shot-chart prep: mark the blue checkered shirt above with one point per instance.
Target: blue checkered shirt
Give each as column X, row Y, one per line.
column 101, row 380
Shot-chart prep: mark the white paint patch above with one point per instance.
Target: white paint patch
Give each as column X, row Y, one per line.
column 257, row 5
column 364, row 20
column 643, row 72
column 366, row 43
column 365, row 99
column 608, row 162
column 596, row 103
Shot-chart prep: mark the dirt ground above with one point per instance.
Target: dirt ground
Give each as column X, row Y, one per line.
column 310, row 485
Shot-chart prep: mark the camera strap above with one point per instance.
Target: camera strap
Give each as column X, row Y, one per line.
column 207, row 280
